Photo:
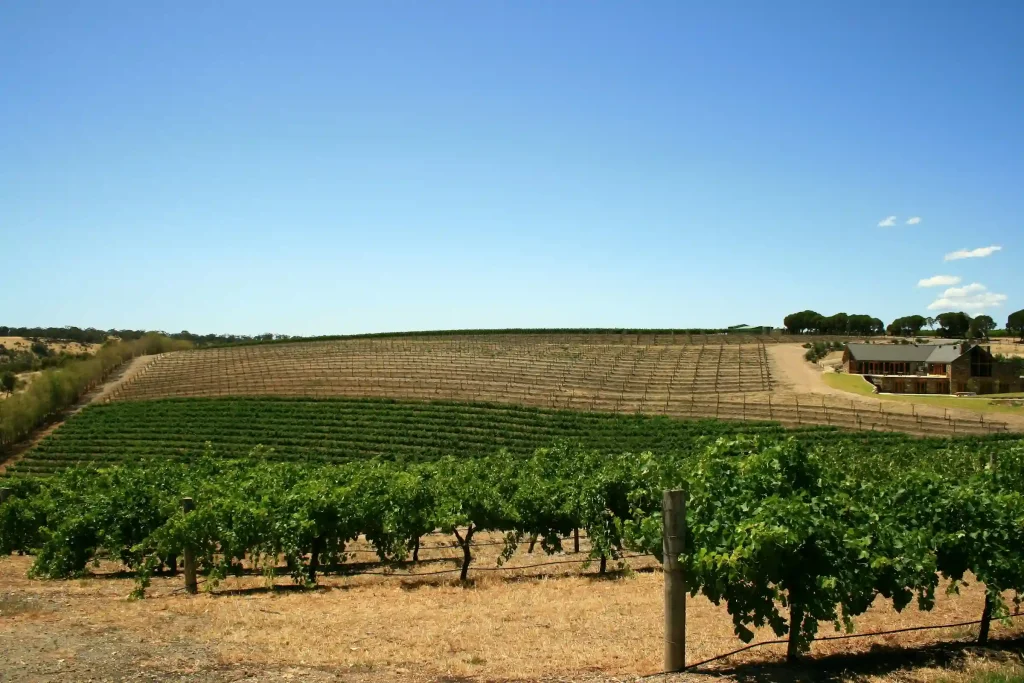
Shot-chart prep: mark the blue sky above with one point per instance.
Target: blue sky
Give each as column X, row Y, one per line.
column 314, row 168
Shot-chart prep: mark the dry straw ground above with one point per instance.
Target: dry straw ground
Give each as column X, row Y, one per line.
column 23, row 344
column 574, row 625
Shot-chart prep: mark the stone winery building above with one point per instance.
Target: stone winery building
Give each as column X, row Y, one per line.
column 942, row 368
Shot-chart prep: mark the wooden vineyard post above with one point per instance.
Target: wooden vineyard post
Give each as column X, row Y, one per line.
column 673, row 521
column 191, row 585
column 576, row 540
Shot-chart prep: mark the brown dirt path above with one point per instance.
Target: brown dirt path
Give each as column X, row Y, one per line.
column 791, row 372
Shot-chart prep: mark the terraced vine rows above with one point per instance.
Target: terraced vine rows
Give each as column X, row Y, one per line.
column 606, row 375
column 600, row 373
column 341, row 430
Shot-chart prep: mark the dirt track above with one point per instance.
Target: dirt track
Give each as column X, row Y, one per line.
column 791, row 372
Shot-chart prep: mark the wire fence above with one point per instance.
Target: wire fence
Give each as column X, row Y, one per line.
column 695, row 665
column 710, row 379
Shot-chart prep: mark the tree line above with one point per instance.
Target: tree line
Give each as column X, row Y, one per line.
column 950, row 325
column 92, row 335
column 812, row 322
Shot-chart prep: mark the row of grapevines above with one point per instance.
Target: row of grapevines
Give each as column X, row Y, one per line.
column 341, row 430
column 773, row 524
column 815, row 532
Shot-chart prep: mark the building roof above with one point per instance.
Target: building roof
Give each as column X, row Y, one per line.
column 946, row 353
column 906, row 353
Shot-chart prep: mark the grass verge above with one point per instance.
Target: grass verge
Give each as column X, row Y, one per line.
column 855, row 384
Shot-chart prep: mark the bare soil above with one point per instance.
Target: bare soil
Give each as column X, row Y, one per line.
column 574, row 626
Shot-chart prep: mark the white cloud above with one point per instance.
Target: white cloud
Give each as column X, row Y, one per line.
column 966, row 290
column 970, row 298
column 888, row 222
column 914, row 221
column 939, row 281
column 980, row 252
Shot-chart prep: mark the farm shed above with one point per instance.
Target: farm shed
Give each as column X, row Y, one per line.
column 930, row 368
column 751, row 329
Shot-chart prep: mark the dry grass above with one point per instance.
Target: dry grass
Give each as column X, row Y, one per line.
column 500, row 627
column 23, row 344
column 1006, row 347
column 978, row 671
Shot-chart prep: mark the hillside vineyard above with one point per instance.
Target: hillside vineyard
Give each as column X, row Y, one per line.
column 601, row 376
column 348, row 429
column 683, row 377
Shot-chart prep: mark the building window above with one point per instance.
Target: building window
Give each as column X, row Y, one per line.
column 980, row 366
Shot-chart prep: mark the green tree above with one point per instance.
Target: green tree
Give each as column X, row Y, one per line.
column 982, row 326
column 8, row 381
column 953, row 325
column 836, row 324
column 907, row 326
column 1015, row 324
column 804, row 322
column 865, row 325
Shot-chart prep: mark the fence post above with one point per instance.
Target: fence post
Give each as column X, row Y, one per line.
column 191, row 585
column 673, row 540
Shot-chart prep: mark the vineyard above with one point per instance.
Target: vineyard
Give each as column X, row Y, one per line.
column 656, row 374
column 440, row 459
column 341, row 430
column 483, row 369
column 787, row 533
